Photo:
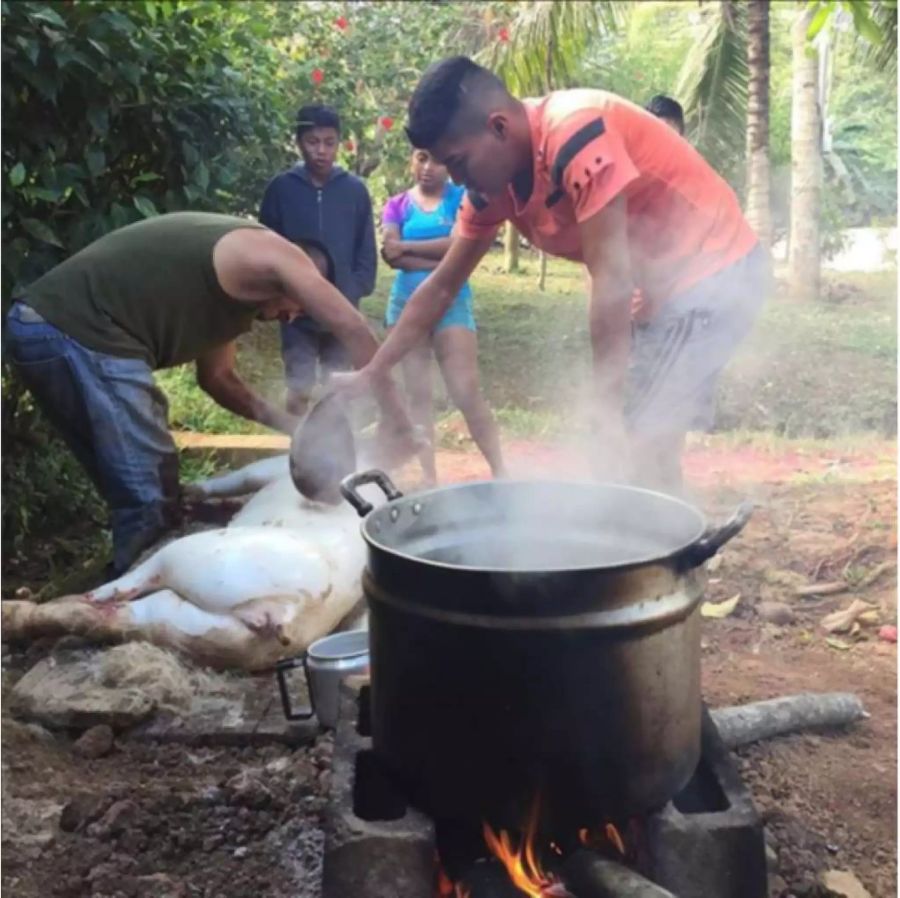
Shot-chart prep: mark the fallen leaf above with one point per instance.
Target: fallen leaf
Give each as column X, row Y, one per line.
column 845, row 884
column 720, row 609
column 838, row 644
column 843, row 620
column 888, row 633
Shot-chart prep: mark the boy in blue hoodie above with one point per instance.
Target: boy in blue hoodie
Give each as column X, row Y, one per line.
column 319, row 200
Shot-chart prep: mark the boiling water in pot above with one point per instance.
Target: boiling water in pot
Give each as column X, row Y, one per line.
column 536, row 526
column 525, row 550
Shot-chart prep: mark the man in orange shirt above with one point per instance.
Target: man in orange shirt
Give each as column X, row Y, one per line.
column 589, row 176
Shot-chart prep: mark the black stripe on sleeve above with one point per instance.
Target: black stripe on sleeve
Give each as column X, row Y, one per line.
column 479, row 203
column 569, row 150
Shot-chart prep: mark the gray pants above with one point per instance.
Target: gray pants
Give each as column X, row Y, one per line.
column 678, row 357
column 310, row 354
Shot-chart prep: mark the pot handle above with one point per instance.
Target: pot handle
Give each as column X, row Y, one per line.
column 715, row 537
column 281, row 668
column 350, row 485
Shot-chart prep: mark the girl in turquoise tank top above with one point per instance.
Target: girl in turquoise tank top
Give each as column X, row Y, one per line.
column 416, row 225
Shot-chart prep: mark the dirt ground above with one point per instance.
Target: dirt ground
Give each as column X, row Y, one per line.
column 172, row 821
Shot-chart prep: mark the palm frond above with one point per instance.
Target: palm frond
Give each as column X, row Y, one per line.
column 545, row 41
column 883, row 55
column 712, row 84
column 874, row 25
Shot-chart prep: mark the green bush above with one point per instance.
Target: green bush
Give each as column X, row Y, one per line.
column 115, row 111
column 118, row 110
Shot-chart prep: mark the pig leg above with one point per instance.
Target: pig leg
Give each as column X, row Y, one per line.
column 142, row 579
column 248, row 479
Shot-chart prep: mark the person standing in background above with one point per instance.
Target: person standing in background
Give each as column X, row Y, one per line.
column 667, row 110
column 319, row 200
column 417, row 225
column 590, row 177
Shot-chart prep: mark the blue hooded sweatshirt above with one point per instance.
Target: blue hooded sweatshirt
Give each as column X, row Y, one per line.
column 338, row 215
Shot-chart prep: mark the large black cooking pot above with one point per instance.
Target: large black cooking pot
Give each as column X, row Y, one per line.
column 535, row 637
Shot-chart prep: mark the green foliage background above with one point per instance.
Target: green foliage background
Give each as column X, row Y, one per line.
column 118, row 109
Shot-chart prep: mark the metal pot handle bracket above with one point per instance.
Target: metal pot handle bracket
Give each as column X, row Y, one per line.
column 351, row 484
column 715, row 537
column 281, row 668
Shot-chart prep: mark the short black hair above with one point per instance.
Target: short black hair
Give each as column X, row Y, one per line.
column 310, row 243
column 451, row 95
column 317, row 116
column 665, row 107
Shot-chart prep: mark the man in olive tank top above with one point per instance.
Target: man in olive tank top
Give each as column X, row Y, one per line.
column 176, row 288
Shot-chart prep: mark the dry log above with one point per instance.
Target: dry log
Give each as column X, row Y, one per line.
column 588, row 875
column 874, row 574
column 743, row 724
column 822, row 589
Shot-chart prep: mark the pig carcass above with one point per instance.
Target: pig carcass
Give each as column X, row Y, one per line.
column 284, row 572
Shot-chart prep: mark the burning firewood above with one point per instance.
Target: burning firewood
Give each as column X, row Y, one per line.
column 587, row 875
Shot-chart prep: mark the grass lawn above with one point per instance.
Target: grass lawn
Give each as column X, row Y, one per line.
column 809, row 373
column 823, row 370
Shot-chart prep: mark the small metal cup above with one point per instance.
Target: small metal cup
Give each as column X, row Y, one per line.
column 326, row 663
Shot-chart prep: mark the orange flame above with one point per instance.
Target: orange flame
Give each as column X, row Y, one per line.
column 612, row 835
column 522, row 866
column 609, row 835
column 521, row 861
column 446, row 888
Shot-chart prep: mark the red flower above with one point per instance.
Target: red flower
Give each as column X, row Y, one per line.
column 318, row 76
column 342, row 23
column 387, row 122
column 503, row 34
column 348, row 146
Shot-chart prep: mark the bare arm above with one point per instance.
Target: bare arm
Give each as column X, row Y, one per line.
column 426, row 249
column 413, row 263
column 604, row 245
column 395, row 247
column 429, row 302
column 218, row 378
column 259, row 265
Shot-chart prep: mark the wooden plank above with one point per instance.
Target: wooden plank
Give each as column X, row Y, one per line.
column 253, row 442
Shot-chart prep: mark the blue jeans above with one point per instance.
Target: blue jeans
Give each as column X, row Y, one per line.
column 112, row 416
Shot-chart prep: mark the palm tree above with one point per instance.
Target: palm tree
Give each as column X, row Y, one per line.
column 758, row 205
column 724, row 88
column 806, row 162
column 544, row 42
column 712, row 84
column 510, row 248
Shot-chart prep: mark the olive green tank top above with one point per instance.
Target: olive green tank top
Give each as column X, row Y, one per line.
column 147, row 291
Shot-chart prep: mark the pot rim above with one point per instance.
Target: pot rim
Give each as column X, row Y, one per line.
column 410, row 499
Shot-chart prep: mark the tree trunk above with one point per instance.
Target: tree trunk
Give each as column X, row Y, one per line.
column 548, row 85
column 511, row 248
column 758, row 183
column 806, row 164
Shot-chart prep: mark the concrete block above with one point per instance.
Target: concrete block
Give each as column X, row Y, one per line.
column 375, row 846
column 708, row 841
